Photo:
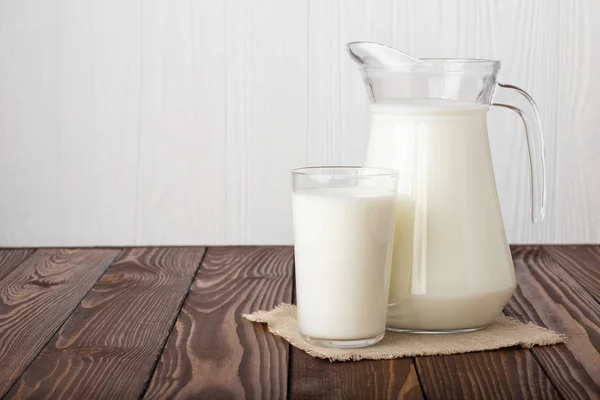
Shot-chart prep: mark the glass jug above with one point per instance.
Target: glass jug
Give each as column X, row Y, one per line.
column 452, row 269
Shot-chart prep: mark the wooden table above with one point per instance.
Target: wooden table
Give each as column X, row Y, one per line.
column 165, row 323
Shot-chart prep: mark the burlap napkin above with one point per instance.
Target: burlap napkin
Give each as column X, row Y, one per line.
column 503, row 332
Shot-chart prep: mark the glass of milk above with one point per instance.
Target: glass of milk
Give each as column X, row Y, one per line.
column 343, row 240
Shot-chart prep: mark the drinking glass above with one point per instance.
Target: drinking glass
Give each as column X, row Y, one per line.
column 343, row 236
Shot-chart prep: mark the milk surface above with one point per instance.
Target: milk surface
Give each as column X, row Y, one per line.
column 451, row 267
column 343, row 247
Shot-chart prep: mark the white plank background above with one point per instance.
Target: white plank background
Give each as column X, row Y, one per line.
column 130, row 122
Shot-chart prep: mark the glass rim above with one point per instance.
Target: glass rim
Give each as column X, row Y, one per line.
column 440, row 65
column 330, row 171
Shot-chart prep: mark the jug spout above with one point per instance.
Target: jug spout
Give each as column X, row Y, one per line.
column 377, row 55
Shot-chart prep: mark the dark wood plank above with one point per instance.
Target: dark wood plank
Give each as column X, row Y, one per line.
column 548, row 296
column 108, row 348
column 37, row 297
column 11, row 258
column 582, row 263
column 313, row 378
column 500, row 374
column 215, row 354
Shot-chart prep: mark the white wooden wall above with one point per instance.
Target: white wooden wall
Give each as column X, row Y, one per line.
column 129, row 122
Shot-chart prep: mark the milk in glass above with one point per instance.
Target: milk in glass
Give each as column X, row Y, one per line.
column 343, row 240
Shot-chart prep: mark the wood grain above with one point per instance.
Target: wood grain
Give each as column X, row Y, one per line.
column 11, row 258
column 37, row 297
column 548, row 296
column 580, row 262
column 108, row 348
column 213, row 353
column 500, row 374
column 313, row 378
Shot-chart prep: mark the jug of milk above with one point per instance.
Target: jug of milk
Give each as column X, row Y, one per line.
column 452, row 269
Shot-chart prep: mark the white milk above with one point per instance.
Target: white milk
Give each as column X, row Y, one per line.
column 451, row 265
column 343, row 247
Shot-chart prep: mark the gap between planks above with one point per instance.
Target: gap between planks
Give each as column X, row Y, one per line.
column 162, row 349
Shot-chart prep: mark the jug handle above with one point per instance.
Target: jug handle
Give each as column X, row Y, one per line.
column 535, row 145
